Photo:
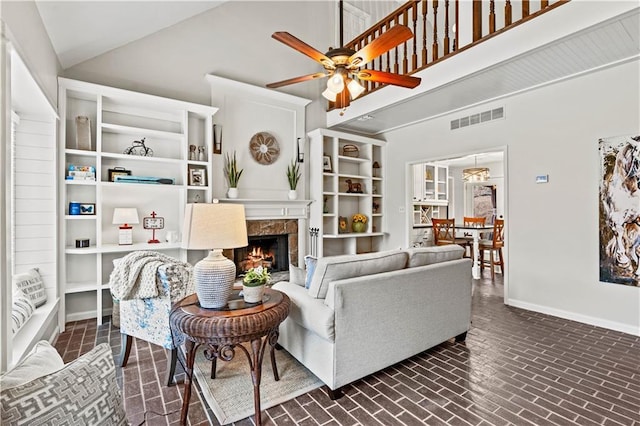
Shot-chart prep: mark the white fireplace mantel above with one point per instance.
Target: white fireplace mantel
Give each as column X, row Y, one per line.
column 255, row 209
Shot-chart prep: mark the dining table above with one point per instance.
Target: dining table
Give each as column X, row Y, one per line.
column 475, row 231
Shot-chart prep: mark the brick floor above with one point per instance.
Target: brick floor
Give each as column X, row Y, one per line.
column 517, row 367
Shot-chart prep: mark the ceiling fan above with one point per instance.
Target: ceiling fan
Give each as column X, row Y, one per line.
column 343, row 65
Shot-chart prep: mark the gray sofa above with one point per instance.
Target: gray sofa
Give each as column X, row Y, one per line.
column 362, row 313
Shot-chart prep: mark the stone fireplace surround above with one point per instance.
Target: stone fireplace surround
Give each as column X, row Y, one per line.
column 277, row 217
column 264, row 227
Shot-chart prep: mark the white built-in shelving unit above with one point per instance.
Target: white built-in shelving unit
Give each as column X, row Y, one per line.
column 119, row 117
column 329, row 190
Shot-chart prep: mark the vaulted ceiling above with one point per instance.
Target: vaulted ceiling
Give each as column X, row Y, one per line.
column 81, row 30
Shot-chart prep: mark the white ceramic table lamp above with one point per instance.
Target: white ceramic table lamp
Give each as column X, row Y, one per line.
column 214, row 227
column 125, row 217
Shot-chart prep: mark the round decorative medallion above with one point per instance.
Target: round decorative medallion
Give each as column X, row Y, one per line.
column 264, row 148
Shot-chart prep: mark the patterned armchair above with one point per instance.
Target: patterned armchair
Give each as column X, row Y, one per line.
column 148, row 319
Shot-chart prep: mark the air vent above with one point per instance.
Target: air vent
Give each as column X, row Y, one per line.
column 482, row 117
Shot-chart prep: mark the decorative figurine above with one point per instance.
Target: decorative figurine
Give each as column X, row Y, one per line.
column 354, row 188
column 192, row 153
column 201, row 154
column 139, row 148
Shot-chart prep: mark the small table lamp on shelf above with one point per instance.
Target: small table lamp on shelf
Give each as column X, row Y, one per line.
column 125, row 216
column 214, row 227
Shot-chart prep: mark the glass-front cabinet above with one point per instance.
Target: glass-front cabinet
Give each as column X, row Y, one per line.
column 430, row 192
column 430, row 183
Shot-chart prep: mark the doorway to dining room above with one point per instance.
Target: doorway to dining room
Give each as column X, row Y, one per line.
column 475, row 187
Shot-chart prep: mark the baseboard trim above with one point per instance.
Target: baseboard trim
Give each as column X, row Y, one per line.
column 79, row 316
column 585, row 319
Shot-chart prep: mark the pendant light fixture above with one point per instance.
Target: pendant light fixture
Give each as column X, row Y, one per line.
column 475, row 174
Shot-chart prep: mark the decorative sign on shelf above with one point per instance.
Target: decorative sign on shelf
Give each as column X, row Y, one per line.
column 153, row 222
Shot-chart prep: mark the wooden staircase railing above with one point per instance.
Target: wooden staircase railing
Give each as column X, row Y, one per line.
column 438, row 34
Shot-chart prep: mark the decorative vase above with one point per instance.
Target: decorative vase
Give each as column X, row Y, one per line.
column 253, row 294
column 293, row 194
column 232, row 193
column 213, row 277
column 358, row 226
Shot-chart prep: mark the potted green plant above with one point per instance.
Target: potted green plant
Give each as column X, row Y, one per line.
column 293, row 176
column 253, row 284
column 232, row 174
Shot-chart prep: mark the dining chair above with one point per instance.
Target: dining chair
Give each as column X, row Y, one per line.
column 466, row 240
column 494, row 247
column 443, row 231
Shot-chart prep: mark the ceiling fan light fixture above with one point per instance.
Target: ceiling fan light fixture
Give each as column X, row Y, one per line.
column 329, row 95
column 336, row 83
column 355, row 89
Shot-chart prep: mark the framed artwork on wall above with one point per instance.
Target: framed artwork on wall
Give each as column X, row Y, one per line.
column 619, row 210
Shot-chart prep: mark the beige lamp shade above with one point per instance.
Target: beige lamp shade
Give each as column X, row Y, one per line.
column 214, row 226
column 125, row 215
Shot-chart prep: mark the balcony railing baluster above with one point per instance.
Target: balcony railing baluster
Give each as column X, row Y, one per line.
column 424, row 33
column 446, row 27
column 492, row 17
column 508, row 16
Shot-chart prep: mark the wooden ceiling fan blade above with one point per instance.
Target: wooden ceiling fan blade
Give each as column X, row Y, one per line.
column 388, row 78
column 385, row 42
column 302, row 47
column 297, row 80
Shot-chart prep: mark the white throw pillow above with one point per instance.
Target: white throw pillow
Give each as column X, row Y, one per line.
column 297, row 275
column 42, row 360
column 31, row 283
column 21, row 310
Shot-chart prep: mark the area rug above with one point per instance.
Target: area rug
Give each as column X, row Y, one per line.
column 230, row 394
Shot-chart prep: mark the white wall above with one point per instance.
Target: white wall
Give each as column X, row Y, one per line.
column 31, row 41
column 231, row 41
column 552, row 229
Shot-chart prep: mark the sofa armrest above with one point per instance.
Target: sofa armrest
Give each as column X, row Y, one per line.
column 307, row 311
column 384, row 318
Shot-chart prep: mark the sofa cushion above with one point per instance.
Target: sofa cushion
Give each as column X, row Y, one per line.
column 31, row 283
column 334, row 268
column 84, row 391
column 42, row 360
column 22, row 309
column 422, row 256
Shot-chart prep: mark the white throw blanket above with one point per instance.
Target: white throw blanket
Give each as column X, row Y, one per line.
column 135, row 275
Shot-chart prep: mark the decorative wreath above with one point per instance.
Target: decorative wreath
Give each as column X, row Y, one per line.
column 264, row 148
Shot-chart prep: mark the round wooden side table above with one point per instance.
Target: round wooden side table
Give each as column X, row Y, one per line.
column 223, row 330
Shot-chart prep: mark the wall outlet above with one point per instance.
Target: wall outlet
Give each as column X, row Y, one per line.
column 401, row 209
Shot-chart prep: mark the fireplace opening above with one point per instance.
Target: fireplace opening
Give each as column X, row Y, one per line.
column 268, row 251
